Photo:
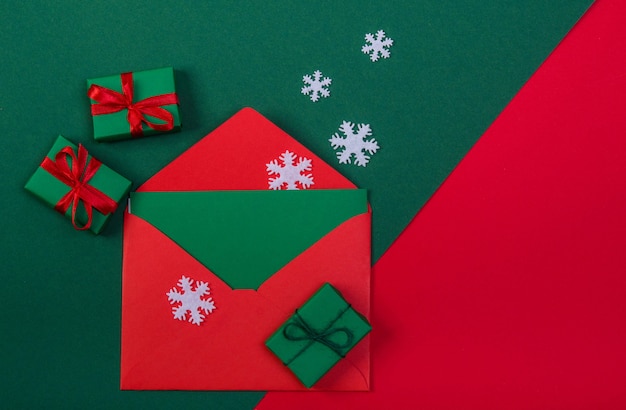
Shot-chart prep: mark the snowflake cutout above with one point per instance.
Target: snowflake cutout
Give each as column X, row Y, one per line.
column 378, row 45
column 190, row 300
column 354, row 143
column 316, row 86
column 290, row 174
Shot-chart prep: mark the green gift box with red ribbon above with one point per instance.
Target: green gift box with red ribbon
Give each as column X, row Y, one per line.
column 318, row 335
column 78, row 186
column 135, row 104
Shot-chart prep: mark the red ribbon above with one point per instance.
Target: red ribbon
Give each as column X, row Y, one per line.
column 111, row 101
column 76, row 178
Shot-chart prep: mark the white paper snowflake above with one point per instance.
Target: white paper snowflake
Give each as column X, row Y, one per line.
column 291, row 175
column 354, row 143
column 190, row 300
column 378, row 45
column 316, row 86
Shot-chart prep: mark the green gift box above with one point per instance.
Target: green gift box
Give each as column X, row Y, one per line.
column 318, row 335
column 136, row 104
column 76, row 184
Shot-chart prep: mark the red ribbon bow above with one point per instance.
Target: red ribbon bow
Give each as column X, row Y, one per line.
column 111, row 101
column 76, row 178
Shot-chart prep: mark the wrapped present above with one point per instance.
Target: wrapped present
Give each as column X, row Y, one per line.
column 134, row 104
column 78, row 185
column 318, row 335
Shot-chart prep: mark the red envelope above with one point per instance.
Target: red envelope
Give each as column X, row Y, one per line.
column 210, row 216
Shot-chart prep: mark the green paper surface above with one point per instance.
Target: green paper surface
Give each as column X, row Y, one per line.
column 454, row 66
column 244, row 237
column 50, row 190
column 147, row 83
column 310, row 360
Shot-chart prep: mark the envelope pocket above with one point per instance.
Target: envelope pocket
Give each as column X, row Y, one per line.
column 244, row 237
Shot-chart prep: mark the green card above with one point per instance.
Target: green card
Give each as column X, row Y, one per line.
column 233, row 239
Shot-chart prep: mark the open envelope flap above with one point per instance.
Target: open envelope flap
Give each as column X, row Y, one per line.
column 235, row 156
column 244, row 237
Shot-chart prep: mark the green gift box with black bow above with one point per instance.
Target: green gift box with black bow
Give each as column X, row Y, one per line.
column 319, row 334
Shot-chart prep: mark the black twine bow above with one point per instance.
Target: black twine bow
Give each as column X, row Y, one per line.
column 323, row 337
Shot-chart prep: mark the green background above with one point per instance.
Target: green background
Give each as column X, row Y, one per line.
column 453, row 67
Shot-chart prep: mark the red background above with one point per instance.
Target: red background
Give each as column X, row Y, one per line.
column 508, row 290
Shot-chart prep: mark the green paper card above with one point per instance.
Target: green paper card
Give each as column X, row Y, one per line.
column 146, row 84
column 318, row 335
column 232, row 238
column 50, row 190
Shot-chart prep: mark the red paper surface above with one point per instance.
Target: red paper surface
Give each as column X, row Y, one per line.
column 508, row 290
column 227, row 351
column 227, row 159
